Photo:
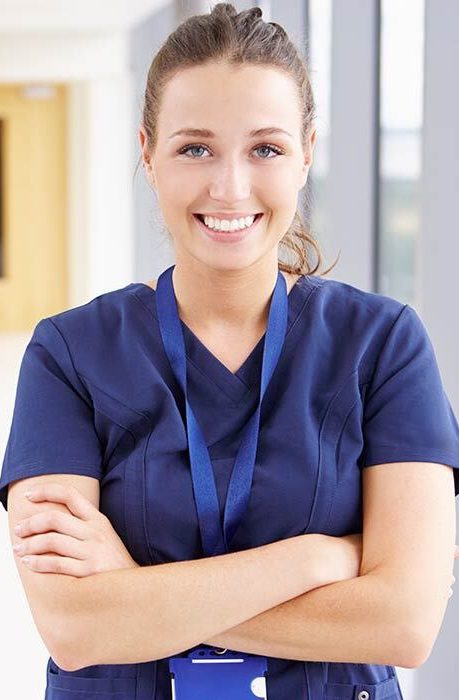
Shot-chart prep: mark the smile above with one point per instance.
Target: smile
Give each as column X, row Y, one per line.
column 227, row 236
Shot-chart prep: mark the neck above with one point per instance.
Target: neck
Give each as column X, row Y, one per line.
column 236, row 299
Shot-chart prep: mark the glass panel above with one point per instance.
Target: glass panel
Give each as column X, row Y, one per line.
column 319, row 61
column 402, row 49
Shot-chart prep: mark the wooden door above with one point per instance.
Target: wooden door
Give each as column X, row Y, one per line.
column 33, row 206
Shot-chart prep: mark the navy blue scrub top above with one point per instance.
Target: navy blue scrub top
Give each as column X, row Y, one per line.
column 357, row 384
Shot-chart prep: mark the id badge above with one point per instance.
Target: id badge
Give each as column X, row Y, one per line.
column 208, row 673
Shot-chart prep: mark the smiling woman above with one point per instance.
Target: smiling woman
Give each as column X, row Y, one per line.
column 204, row 156
column 244, row 455
column 210, row 190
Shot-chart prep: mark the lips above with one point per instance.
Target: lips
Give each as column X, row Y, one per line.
column 227, row 237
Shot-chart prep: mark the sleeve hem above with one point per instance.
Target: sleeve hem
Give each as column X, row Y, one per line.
column 375, row 457
column 45, row 469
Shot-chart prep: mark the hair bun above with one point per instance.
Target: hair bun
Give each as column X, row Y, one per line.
column 255, row 12
column 224, row 8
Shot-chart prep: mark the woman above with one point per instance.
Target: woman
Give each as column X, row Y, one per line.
column 233, row 488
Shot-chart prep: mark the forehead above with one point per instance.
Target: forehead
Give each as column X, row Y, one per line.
column 218, row 95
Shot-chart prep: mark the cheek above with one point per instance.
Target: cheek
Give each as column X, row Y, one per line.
column 279, row 184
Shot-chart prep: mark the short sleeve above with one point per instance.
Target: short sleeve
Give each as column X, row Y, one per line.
column 407, row 415
column 52, row 429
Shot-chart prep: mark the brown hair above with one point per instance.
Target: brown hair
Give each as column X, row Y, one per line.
column 224, row 35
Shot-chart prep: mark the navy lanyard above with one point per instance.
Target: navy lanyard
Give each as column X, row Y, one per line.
column 214, row 540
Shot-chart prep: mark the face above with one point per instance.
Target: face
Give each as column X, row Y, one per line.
column 231, row 173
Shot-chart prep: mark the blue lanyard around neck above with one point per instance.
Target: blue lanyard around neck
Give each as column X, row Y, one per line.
column 216, row 541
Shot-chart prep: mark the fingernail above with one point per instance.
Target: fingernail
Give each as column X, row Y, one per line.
column 25, row 560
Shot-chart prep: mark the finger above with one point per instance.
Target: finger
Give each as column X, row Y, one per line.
column 68, row 495
column 54, row 564
column 52, row 543
column 54, row 521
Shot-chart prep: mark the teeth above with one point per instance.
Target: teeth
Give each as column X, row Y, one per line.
column 226, row 225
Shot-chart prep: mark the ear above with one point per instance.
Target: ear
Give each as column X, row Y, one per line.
column 308, row 156
column 146, row 156
column 310, row 148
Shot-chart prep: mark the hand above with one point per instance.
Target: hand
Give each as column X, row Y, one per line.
column 351, row 547
column 339, row 558
column 348, row 558
column 456, row 556
column 83, row 539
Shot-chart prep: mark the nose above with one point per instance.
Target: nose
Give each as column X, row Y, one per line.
column 230, row 182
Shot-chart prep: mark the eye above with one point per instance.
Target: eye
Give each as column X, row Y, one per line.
column 274, row 149
column 185, row 149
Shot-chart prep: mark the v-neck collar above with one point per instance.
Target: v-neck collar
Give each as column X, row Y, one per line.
column 235, row 384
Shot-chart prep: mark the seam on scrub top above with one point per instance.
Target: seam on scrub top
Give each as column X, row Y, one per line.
column 252, row 388
column 339, row 436
column 84, row 379
column 150, row 311
column 305, row 303
column 376, row 361
column 319, row 442
column 337, row 449
column 315, row 287
column 152, row 551
column 129, row 408
column 84, row 398
column 125, row 428
column 39, row 462
column 36, row 468
column 341, row 432
column 91, row 402
column 415, row 452
column 214, row 381
column 249, row 388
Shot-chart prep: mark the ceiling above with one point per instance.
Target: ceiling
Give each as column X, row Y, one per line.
column 75, row 16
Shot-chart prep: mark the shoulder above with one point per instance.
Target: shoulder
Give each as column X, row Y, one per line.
column 351, row 325
column 104, row 308
column 90, row 329
column 342, row 303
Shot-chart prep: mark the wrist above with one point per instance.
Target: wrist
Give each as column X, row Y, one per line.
column 318, row 561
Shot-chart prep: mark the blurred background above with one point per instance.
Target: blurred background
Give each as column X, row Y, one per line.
column 383, row 190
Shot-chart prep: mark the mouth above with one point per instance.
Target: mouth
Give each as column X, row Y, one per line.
column 226, row 236
column 200, row 217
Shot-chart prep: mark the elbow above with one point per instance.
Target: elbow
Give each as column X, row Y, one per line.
column 66, row 663
column 417, row 655
column 65, row 647
column 416, row 647
column 66, row 654
column 64, row 650
column 425, row 625
column 412, row 655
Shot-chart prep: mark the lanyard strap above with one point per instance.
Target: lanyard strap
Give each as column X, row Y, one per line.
column 215, row 540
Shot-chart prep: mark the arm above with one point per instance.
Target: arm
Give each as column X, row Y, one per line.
column 360, row 620
column 392, row 613
column 147, row 613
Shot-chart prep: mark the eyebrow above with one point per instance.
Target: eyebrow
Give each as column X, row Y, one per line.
column 207, row 134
